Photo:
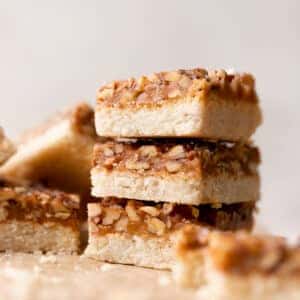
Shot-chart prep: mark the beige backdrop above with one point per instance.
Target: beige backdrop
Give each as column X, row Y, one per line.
column 53, row 53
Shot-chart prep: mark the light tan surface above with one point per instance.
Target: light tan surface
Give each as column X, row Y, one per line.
column 35, row 277
column 229, row 287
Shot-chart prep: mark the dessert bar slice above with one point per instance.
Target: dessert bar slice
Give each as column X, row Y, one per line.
column 238, row 266
column 144, row 233
column 6, row 147
column 57, row 153
column 183, row 103
column 38, row 219
column 180, row 171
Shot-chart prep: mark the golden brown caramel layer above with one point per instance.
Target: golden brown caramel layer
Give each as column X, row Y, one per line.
column 37, row 204
column 189, row 157
column 141, row 217
column 156, row 89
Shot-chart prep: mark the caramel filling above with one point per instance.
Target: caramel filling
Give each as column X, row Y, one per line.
column 189, row 157
column 37, row 204
column 140, row 217
column 157, row 88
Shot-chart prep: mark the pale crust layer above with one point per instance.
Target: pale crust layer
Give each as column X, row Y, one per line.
column 216, row 190
column 214, row 120
column 237, row 265
column 183, row 103
column 29, row 237
column 153, row 252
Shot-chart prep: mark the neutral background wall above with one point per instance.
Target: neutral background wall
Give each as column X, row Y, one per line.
column 53, row 53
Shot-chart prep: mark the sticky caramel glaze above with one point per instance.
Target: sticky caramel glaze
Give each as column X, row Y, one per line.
column 38, row 204
column 143, row 217
column 157, row 89
column 190, row 157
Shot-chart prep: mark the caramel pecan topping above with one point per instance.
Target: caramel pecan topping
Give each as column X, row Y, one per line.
column 36, row 203
column 113, row 214
column 243, row 253
column 190, row 157
column 163, row 86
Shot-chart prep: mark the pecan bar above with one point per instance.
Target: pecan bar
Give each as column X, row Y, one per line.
column 57, row 153
column 238, row 265
column 180, row 171
column 183, row 103
column 6, row 147
column 38, row 219
column 143, row 233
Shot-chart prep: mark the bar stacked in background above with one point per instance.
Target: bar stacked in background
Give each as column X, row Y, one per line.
column 177, row 152
column 34, row 218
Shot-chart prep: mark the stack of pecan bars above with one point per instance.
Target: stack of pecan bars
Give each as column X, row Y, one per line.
column 177, row 152
column 174, row 184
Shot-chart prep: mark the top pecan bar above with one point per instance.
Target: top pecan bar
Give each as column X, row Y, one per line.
column 193, row 103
